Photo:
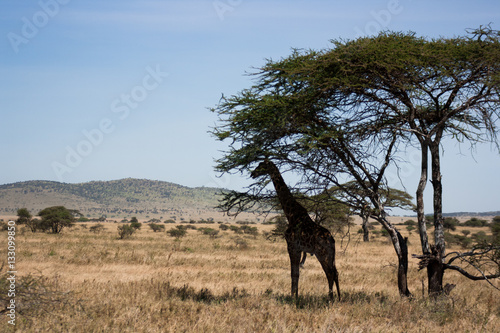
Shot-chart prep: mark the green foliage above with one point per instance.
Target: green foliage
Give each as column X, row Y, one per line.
column 495, row 229
column 253, row 231
column 410, row 228
column 178, row 232
column 461, row 240
column 126, row 231
column 475, row 222
column 156, row 227
column 410, row 222
column 223, row 227
column 209, row 232
column 450, row 223
column 136, row 225
column 54, row 219
column 25, row 218
column 480, row 237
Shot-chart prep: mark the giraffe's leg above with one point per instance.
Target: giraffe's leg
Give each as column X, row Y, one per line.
column 327, row 262
column 336, row 278
column 295, row 264
column 328, row 269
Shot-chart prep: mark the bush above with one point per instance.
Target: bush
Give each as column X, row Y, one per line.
column 156, row 227
column 97, row 228
column 410, row 222
column 475, row 222
column 461, row 240
column 249, row 230
column 126, row 231
column 450, row 223
column 495, row 229
column 134, row 223
column 237, row 230
column 223, row 227
column 177, row 232
column 480, row 237
column 209, row 231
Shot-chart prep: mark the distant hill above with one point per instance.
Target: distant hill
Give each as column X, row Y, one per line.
column 116, row 198
column 458, row 214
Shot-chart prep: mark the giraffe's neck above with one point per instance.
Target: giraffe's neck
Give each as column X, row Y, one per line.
column 292, row 209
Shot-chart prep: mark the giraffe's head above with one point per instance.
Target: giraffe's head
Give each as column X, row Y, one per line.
column 262, row 169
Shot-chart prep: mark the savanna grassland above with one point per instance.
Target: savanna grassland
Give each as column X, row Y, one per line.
column 81, row 281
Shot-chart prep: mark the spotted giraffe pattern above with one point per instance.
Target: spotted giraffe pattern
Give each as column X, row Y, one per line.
column 302, row 234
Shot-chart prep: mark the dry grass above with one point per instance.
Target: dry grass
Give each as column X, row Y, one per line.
column 152, row 283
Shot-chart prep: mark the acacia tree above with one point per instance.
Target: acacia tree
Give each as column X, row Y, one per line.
column 425, row 89
column 284, row 122
column 56, row 218
column 25, row 217
column 347, row 110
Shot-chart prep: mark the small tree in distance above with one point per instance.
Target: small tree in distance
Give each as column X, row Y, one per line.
column 126, row 231
column 156, row 227
column 54, row 219
column 25, row 217
column 178, row 232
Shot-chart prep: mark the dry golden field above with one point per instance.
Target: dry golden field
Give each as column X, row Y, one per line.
column 86, row 282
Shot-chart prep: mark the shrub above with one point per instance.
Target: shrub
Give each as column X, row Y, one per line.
column 134, row 223
column 475, row 222
column 126, row 231
column 461, row 240
column 97, row 228
column 177, row 232
column 480, row 237
column 450, row 223
column 410, row 228
column 209, row 231
column 249, row 230
column 223, row 227
column 495, row 229
column 156, row 227
column 410, row 222
column 237, row 230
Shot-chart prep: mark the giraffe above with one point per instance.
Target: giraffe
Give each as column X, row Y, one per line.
column 302, row 234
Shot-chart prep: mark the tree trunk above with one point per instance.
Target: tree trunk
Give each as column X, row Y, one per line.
column 366, row 232
column 401, row 248
column 422, row 228
column 435, row 272
column 403, row 266
column 435, row 269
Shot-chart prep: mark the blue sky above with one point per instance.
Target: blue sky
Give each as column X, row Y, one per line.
column 101, row 90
